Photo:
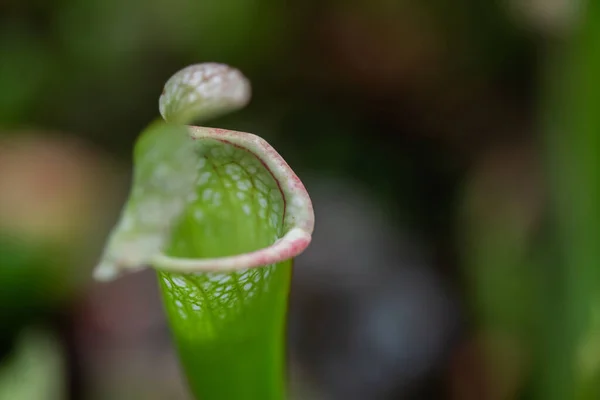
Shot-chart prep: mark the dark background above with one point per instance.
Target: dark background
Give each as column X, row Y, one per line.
column 412, row 124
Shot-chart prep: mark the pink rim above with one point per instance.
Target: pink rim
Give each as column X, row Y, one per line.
column 298, row 212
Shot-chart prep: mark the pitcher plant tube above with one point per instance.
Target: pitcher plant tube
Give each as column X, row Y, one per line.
column 220, row 216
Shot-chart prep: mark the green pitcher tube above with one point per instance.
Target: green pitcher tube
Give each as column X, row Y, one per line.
column 220, row 216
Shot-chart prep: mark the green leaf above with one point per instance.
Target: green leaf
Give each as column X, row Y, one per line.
column 220, row 215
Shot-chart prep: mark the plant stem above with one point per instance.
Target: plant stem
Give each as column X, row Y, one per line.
column 220, row 215
column 232, row 354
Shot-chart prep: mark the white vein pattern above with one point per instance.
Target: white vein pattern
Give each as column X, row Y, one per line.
column 173, row 177
column 205, row 302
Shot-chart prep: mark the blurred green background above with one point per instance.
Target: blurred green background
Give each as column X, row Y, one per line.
column 451, row 149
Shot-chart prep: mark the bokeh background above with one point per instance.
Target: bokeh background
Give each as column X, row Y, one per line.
column 436, row 268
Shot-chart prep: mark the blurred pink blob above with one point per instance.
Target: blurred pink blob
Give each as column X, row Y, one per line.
column 51, row 186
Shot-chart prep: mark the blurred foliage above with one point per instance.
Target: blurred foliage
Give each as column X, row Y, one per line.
column 36, row 370
column 431, row 105
column 572, row 125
